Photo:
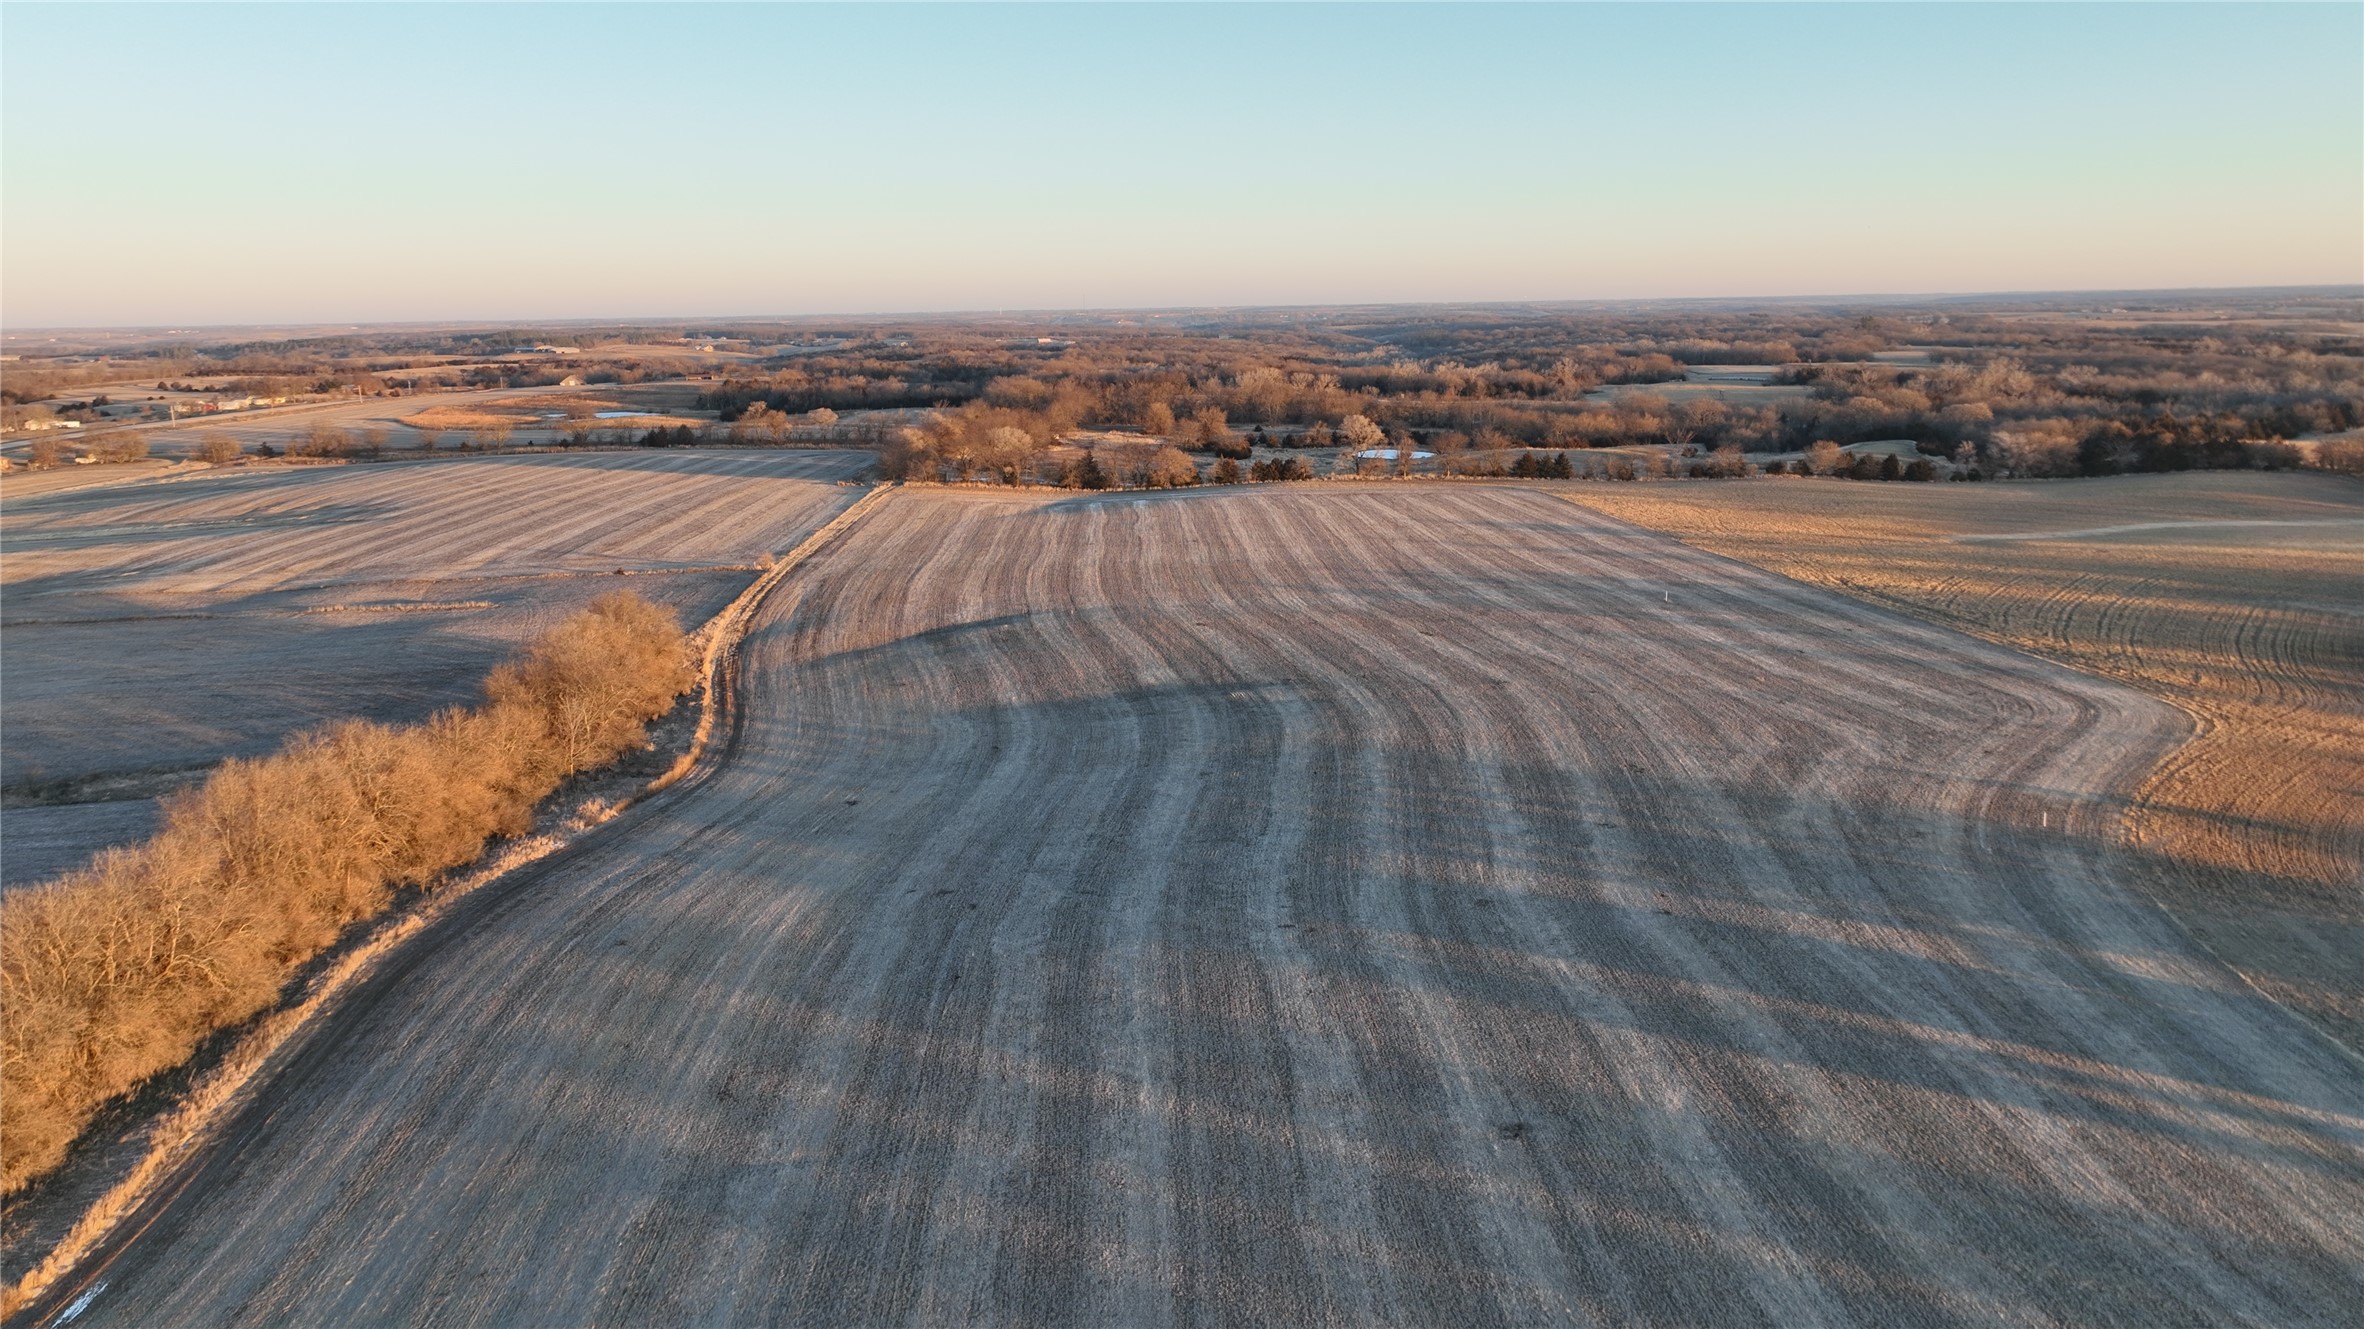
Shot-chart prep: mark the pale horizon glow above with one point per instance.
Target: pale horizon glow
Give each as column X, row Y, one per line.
column 193, row 165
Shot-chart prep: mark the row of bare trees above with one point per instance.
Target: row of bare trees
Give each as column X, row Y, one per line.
column 2034, row 386
column 116, row 972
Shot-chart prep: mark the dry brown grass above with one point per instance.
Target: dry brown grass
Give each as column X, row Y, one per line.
column 461, row 417
column 117, row 972
column 515, row 412
column 528, row 413
column 627, row 425
column 2252, row 629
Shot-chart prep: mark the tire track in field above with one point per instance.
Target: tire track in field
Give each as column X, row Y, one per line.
column 1317, row 904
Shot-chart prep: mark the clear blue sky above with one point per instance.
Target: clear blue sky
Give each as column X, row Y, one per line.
column 200, row 164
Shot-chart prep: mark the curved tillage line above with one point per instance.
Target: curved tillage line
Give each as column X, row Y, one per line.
column 2058, row 991
column 1315, row 905
column 2254, row 829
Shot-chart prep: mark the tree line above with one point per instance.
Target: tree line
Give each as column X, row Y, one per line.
column 2032, row 386
column 118, row 971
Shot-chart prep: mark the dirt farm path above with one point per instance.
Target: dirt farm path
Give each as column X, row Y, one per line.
column 1313, row 904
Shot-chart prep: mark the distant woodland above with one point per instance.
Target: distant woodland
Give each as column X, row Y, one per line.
column 1990, row 387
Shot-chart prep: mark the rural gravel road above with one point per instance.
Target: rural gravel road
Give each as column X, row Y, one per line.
column 1308, row 905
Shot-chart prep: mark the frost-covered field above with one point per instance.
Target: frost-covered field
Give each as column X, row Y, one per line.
column 1312, row 904
column 2233, row 596
column 155, row 627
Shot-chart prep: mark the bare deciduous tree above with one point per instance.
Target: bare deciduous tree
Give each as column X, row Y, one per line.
column 1209, row 427
column 1686, row 421
column 1169, row 468
column 1450, row 447
column 1008, row 452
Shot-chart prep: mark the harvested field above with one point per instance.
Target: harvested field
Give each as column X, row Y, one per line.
column 26, row 484
column 42, row 842
column 1311, row 904
column 156, row 628
column 450, row 521
column 2234, row 596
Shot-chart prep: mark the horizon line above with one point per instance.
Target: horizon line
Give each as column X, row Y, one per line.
column 2352, row 289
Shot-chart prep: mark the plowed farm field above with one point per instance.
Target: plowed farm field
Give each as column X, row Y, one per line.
column 1310, row 904
column 2239, row 598
column 154, row 627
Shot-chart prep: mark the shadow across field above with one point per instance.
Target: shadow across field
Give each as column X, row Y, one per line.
column 69, row 539
column 154, row 629
column 1087, row 926
column 782, row 463
column 119, row 689
column 2228, row 595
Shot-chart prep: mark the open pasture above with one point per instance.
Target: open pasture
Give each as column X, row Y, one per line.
column 154, row 628
column 1309, row 905
column 2233, row 595
column 1739, row 392
column 548, row 410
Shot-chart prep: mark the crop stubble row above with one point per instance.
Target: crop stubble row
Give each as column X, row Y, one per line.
column 2232, row 596
column 1316, row 905
column 242, row 534
column 156, row 628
